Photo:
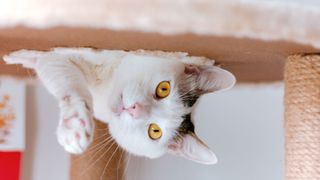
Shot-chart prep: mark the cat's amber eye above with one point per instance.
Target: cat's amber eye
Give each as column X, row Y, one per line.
column 163, row 89
column 154, row 131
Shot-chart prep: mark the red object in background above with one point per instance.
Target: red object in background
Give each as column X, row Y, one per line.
column 10, row 165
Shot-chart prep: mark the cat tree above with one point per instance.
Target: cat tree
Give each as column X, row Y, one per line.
column 252, row 38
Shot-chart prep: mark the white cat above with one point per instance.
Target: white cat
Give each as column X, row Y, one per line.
column 145, row 97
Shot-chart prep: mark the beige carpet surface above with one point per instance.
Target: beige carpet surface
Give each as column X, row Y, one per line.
column 295, row 21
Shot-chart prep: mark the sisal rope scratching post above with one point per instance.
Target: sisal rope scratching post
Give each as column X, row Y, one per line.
column 100, row 161
column 302, row 117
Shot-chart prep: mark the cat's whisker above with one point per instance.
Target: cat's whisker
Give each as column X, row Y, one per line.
column 98, row 144
column 103, row 154
column 104, row 169
column 105, row 134
column 105, row 128
column 93, row 156
column 96, row 149
column 104, row 141
column 97, row 152
column 92, row 152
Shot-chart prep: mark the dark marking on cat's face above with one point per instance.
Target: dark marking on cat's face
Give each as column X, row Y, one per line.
column 187, row 126
column 189, row 93
column 190, row 99
column 189, row 96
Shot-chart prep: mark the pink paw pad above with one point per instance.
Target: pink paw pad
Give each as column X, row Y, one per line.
column 67, row 121
column 82, row 122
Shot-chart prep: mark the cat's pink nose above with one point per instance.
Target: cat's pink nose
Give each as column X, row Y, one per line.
column 137, row 110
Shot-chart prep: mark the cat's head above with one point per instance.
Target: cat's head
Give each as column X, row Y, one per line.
column 151, row 104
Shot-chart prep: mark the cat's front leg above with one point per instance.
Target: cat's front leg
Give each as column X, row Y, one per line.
column 67, row 82
column 64, row 76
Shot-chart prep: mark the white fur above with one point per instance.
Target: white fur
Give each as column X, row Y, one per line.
column 86, row 80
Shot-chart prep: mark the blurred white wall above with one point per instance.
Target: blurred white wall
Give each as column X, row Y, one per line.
column 44, row 159
column 243, row 126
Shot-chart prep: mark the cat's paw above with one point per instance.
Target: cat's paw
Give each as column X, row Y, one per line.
column 75, row 131
column 28, row 58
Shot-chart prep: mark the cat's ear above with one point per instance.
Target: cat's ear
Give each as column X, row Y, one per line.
column 211, row 78
column 192, row 148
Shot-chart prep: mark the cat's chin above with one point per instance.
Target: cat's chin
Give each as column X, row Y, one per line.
column 149, row 155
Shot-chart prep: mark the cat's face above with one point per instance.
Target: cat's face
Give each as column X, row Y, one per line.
column 151, row 105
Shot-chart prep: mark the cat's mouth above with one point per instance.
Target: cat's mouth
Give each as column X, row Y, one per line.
column 119, row 108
